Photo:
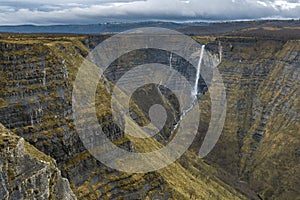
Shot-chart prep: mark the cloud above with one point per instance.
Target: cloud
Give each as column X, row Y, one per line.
column 97, row 11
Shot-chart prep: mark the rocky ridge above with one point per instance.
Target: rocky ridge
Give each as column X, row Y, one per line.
column 27, row 173
column 260, row 139
column 259, row 146
column 36, row 104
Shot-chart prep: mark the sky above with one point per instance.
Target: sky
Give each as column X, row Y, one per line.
column 17, row 12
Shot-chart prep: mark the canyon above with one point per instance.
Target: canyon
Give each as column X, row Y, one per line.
column 257, row 156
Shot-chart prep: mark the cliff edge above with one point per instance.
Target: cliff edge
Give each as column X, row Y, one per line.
column 27, row 173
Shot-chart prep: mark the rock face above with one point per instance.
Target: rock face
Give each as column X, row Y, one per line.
column 36, row 80
column 35, row 103
column 26, row 173
column 259, row 145
column 261, row 137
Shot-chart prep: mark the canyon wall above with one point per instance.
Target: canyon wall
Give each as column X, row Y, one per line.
column 35, row 103
column 258, row 152
column 27, row 173
column 260, row 140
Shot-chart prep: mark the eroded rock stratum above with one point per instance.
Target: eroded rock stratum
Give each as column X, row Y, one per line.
column 257, row 155
column 27, row 173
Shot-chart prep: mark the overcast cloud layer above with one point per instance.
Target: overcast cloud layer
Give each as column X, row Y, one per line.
column 16, row 12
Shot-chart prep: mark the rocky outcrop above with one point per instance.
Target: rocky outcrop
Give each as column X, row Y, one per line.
column 259, row 145
column 261, row 134
column 26, row 173
column 37, row 106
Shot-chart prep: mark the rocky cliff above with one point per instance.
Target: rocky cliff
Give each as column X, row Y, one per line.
column 36, row 79
column 258, row 152
column 260, row 141
column 27, row 173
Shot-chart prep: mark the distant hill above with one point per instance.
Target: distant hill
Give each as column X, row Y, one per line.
column 284, row 28
column 94, row 28
column 260, row 27
column 257, row 155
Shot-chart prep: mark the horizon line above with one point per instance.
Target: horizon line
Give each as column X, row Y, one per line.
column 153, row 21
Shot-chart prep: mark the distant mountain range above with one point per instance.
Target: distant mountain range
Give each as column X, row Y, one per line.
column 257, row 155
column 192, row 28
column 94, row 28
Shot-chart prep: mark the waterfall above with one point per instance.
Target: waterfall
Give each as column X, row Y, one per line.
column 44, row 78
column 170, row 64
column 220, row 51
column 159, row 91
column 64, row 69
column 39, row 114
column 31, row 119
column 170, row 60
column 195, row 91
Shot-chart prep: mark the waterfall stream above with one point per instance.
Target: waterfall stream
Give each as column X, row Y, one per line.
column 170, row 64
column 170, row 60
column 31, row 119
column 64, row 69
column 44, row 77
column 194, row 92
